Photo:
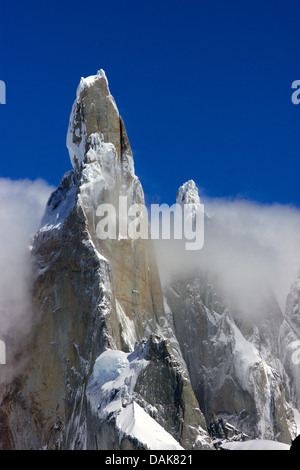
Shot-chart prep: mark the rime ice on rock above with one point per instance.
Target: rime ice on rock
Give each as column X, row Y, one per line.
column 100, row 299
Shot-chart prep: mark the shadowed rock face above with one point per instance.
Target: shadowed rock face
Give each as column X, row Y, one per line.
column 90, row 295
column 171, row 395
column 233, row 356
column 230, row 376
column 290, row 342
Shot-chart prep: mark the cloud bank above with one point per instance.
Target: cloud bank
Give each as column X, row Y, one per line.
column 22, row 204
column 249, row 248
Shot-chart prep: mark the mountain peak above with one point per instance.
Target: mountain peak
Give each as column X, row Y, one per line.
column 94, row 112
column 90, row 80
column 188, row 193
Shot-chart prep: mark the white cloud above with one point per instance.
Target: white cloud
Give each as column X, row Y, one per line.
column 22, row 204
column 250, row 247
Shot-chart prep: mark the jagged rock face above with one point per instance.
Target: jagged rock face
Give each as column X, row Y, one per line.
column 116, row 365
column 290, row 342
column 91, row 295
column 171, row 396
column 292, row 313
column 228, row 375
column 94, row 112
column 159, row 385
column 233, row 361
column 107, row 172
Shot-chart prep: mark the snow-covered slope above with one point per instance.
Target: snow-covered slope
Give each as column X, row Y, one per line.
column 115, row 375
column 255, row 445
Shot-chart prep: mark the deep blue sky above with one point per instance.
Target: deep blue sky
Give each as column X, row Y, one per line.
column 204, row 88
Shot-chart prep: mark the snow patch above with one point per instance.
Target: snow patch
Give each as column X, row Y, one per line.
column 109, row 366
column 110, row 392
column 89, row 81
column 255, row 444
column 128, row 327
column 59, row 206
column 245, row 357
column 135, row 422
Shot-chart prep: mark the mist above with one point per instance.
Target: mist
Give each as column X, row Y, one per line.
column 250, row 250
column 22, row 204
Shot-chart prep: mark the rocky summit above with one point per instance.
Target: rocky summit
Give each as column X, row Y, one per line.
column 116, row 360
